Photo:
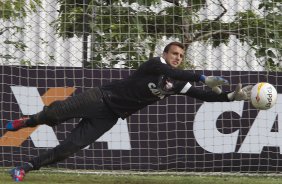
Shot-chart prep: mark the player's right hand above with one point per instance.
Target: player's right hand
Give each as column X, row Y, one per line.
column 213, row 81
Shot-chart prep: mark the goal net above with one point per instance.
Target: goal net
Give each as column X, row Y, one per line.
column 54, row 49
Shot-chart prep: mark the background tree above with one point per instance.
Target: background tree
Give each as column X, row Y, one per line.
column 12, row 12
column 127, row 32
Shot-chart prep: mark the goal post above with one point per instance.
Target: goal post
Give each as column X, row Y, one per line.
column 63, row 49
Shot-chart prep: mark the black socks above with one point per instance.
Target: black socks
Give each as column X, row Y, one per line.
column 31, row 122
column 27, row 167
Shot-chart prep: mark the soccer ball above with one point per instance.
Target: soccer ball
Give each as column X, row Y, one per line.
column 263, row 96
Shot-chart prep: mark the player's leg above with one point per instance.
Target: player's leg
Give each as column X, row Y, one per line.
column 71, row 145
column 59, row 111
column 87, row 131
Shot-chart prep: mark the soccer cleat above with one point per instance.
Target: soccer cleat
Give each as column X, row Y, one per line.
column 17, row 124
column 17, row 174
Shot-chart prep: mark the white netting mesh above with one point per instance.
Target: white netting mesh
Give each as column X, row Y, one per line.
column 47, row 49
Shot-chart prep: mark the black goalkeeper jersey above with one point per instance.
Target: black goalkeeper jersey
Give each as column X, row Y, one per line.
column 151, row 82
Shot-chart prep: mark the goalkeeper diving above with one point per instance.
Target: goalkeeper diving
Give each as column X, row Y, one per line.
column 100, row 107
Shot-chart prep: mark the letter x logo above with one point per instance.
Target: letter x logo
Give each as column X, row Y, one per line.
column 31, row 102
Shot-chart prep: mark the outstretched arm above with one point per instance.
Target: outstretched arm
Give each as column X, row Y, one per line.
column 207, row 96
column 211, row 96
column 158, row 66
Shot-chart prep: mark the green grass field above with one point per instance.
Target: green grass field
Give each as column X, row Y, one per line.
column 45, row 176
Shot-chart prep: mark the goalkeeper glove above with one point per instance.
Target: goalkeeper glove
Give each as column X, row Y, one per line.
column 240, row 93
column 213, row 82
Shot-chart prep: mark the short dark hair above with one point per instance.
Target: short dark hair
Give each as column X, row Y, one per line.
column 167, row 47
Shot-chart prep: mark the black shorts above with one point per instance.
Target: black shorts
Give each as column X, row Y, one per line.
column 96, row 117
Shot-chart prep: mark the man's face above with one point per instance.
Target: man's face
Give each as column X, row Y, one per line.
column 174, row 56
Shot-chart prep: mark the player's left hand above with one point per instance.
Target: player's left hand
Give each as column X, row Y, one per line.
column 240, row 93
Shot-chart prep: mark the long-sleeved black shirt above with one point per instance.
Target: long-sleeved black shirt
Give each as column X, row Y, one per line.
column 147, row 85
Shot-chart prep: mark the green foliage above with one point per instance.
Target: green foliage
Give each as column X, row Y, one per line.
column 196, row 4
column 15, row 9
column 18, row 44
column 126, row 32
column 263, row 34
column 116, row 28
column 11, row 10
column 134, row 33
